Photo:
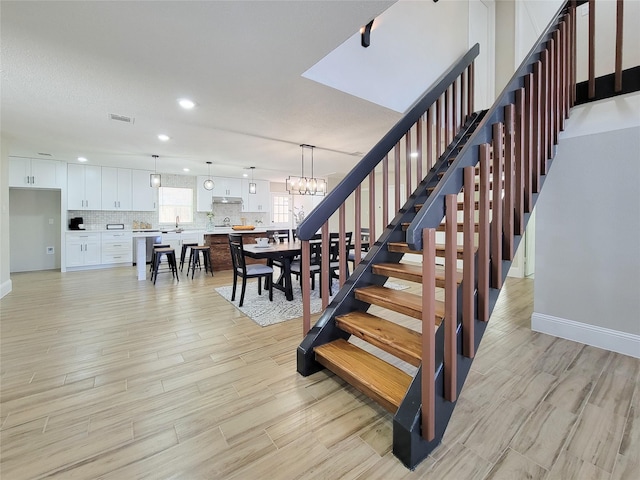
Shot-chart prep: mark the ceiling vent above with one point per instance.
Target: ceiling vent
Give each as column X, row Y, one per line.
column 122, row 118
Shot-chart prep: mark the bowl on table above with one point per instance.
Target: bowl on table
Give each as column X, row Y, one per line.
column 262, row 242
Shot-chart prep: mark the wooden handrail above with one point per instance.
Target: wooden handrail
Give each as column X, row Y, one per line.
column 332, row 201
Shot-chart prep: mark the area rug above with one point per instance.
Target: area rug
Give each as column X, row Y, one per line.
column 259, row 309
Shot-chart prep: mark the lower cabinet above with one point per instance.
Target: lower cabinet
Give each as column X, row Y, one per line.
column 117, row 247
column 83, row 249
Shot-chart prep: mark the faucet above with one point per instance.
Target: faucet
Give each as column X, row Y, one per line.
column 177, row 220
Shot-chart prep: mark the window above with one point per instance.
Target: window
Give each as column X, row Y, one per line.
column 175, row 202
column 280, row 209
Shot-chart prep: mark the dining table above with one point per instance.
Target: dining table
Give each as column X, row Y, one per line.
column 284, row 253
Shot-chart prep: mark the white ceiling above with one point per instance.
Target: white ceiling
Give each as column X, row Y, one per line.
column 67, row 65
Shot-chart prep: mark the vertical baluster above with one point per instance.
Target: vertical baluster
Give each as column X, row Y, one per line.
column 306, row 288
column 342, row 245
column 619, row 22
column 592, row 49
column 538, row 126
column 530, row 138
column 456, row 117
column 573, row 55
column 407, row 167
column 430, row 138
column 357, row 199
column 519, row 162
column 450, row 298
column 471, row 99
column 557, row 108
column 372, row 207
column 483, row 234
column 447, row 118
column 419, row 146
column 385, row 192
column 464, row 104
column 544, row 112
column 496, row 206
column 438, row 128
column 468, row 272
column 509, row 169
column 563, row 68
column 428, row 336
column 396, row 177
column 325, row 278
column 551, row 94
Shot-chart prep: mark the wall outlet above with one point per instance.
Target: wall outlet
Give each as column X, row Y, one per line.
column 51, row 250
column 51, row 221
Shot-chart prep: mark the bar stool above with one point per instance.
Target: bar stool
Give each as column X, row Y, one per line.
column 183, row 254
column 170, row 253
column 153, row 256
column 194, row 259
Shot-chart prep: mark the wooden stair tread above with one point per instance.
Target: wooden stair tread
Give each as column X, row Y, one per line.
column 397, row 300
column 441, row 227
column 395, row 339
column 476, row 205
column 403, row 247
column 411, row 273
column 374, row 377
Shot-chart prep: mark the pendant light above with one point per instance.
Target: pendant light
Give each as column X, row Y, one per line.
column 252, row 185
column 155, row 179
column 208, row 183
column 306, row 186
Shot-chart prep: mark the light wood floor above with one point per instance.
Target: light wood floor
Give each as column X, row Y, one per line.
column 103, row 376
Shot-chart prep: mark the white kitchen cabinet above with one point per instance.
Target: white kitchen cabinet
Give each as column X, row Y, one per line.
column 226, row 187
column 36, row 173
column 176, row 240
column 84, row 187
column 116, row 247
column 259, row 201
column 82, row 249
column 143, row 194
column 203, row 196
column 116, row 188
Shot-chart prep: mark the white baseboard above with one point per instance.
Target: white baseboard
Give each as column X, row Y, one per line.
column 5, row 288
column 605, row 338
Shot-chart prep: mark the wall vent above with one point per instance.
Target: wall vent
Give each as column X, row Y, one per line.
column 122, row 118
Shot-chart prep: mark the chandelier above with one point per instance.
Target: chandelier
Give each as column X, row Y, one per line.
column 306, row 185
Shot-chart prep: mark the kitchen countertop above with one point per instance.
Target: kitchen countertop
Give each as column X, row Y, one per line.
column 227, row 230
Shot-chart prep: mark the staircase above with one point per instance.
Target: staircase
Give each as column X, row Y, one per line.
column 478, row 195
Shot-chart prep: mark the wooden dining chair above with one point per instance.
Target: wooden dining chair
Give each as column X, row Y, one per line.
column 241, row 269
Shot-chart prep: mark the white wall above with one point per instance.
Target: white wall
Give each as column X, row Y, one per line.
column 5, row 280
column 587, row 285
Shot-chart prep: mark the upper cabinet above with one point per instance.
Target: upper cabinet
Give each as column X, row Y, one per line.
column 203, row 196
column 259, row 201
column 36, row 173
column 116, row 188
column 227, row 187
column 223, row 187
column 84, row 187
column 144, row 195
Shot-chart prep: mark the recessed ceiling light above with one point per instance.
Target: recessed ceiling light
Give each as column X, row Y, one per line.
column 414, row 155
column 186, row 169
column 245, row 175
column 82, row 159
column 186, row 103
column 162, row 137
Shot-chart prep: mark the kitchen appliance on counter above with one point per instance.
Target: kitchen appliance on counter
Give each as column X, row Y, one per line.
column 76, row 223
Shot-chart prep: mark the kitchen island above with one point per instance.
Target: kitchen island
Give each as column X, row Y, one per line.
column 218, row 240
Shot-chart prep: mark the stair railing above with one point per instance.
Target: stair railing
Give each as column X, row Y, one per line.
column 524, row 124
column 414, row 144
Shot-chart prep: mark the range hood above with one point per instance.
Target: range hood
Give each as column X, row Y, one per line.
column 226, row 199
